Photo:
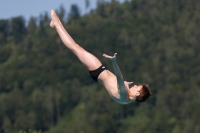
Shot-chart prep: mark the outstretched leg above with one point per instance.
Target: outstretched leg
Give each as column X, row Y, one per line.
column 85, row 57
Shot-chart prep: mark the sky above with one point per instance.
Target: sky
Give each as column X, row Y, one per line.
column 33, row 8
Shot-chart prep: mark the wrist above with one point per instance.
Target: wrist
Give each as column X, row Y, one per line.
column 113, row 59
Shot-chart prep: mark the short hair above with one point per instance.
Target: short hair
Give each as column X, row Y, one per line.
column 145, row 93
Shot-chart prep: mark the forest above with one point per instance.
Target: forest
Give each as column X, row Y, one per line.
column 45, row 89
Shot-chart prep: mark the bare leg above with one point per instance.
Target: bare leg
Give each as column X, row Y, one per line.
column 85, row 57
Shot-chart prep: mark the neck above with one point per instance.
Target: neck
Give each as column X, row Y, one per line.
column 130, row 95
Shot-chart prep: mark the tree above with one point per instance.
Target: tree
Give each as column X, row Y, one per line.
column 87, row 4
column 74, row 13
column 4, row 30
column 32, row 25
column 18, row 28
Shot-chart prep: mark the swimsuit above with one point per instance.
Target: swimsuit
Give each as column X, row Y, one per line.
column 95, row 73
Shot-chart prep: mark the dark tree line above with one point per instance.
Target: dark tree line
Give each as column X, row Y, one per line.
column 44, row 88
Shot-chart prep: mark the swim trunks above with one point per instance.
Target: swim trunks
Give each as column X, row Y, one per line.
column 95, row 73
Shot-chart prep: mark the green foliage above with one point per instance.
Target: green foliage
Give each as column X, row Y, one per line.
column 29, row 131
column 44, row 87
column 5, row 53
column 4, row 30
column 74, row 13
column 18, row 28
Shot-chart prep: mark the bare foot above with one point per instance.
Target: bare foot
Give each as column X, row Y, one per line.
column 54, row 19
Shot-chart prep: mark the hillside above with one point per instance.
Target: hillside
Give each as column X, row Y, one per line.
column 44, row 87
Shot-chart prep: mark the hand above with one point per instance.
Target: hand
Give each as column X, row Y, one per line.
column 127, row 84
column 110, row 57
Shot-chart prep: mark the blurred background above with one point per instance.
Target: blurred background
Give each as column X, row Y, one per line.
column 45, row 89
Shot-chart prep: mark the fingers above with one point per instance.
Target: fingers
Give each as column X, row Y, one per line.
column 126, row 84
column 108, row 56
column 130, row 83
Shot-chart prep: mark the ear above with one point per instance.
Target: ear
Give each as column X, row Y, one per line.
column 137, row 93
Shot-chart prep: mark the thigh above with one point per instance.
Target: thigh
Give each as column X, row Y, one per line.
column 88, row 59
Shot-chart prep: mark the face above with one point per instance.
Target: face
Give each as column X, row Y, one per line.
column 134, row 91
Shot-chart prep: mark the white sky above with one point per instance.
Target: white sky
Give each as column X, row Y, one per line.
column 28, row 8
